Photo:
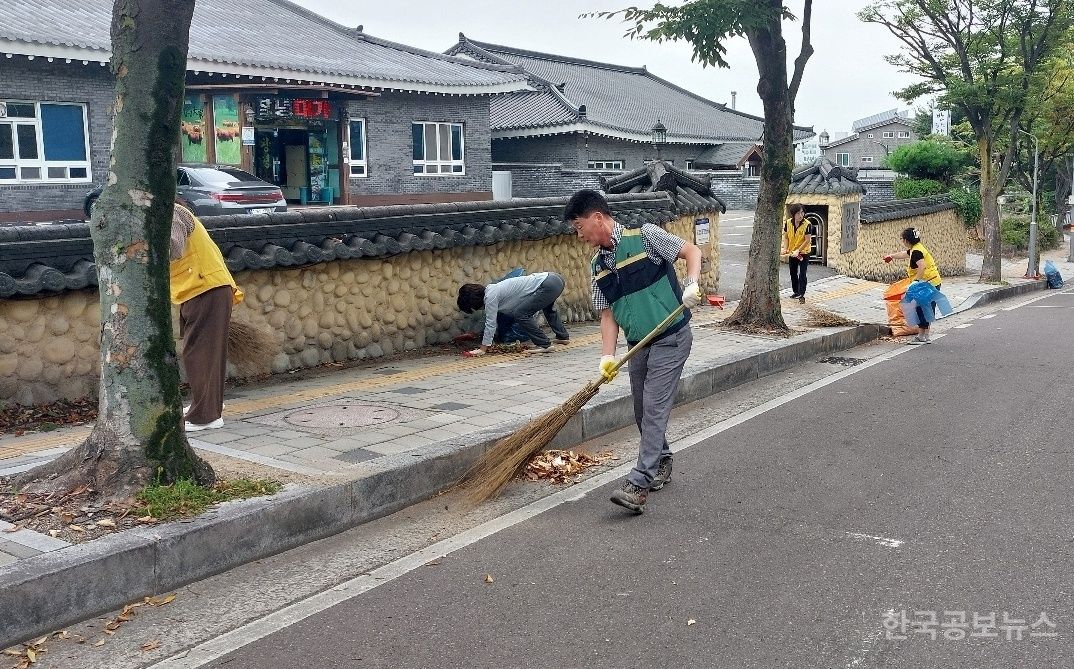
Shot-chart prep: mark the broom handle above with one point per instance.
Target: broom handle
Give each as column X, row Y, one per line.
column 648, row 338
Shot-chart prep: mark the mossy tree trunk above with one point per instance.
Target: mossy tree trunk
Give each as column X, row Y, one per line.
column 760, row 306
column 138, row 436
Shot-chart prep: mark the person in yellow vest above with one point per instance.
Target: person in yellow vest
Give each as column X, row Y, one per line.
column 797, row 242
column 920, row 267
column 205, row 291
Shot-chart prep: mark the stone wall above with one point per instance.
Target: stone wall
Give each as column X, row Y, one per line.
column 325, row 312
column 942, row 233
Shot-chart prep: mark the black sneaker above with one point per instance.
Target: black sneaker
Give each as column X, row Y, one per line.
column 630, row 497
column 663, row 474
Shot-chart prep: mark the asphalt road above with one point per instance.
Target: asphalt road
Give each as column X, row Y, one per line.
column 736, row 231
column 932, row 480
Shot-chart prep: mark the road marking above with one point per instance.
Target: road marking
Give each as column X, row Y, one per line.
column 729, row 244
column 987, row 316
column 883, row 541
column 217, row 647
column 961, row 327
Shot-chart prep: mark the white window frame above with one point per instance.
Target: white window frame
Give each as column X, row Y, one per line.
column 40, row 163
column 889, row 134
column 866, row 159
column 904, row 134
column 439, row 165
column 363, row 164
column 841, row 161
column 605, row 164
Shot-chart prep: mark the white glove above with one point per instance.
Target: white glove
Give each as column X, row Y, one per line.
column 607, row 367
column 691, row 295
column 476, row 352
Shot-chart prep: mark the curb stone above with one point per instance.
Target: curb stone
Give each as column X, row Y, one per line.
column 41, row 594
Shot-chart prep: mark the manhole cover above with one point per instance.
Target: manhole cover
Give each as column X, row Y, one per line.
column 846, row 362
column 342, row 416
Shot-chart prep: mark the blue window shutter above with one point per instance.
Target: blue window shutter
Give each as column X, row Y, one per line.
column 63, row 132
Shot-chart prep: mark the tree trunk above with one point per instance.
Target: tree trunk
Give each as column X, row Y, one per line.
column 138, row 436
column 991, row 268
column 759, row 306
column 1064, row 178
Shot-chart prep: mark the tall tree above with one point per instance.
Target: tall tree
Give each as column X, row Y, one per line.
column 980, row 56
column 707, row 25
column 138, row 435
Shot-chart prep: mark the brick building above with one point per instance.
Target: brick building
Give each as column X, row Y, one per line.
column 327, row 112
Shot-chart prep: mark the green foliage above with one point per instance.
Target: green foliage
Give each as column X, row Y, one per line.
column 906, row 189
column 1016, row 234
column 928, row 159
column 968, row 204
column 186, row 498
column 705, row 24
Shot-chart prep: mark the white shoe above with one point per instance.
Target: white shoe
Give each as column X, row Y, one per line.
column 191, row 427
column 186, row 409
column 538, row 349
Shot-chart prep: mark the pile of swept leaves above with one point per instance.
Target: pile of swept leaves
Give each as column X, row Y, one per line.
column 564, row 466
column 17, row 419
column 822, row 318
column 29, row 653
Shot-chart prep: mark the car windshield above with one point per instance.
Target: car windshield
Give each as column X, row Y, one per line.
column 223, row 177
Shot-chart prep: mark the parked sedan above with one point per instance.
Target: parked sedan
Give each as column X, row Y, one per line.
column 215, row 190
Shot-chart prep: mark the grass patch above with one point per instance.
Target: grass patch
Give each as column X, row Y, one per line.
column 185, row 498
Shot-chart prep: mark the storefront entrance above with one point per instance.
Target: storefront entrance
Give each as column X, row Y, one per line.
column 296, row 147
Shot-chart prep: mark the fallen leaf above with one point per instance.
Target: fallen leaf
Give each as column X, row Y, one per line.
column 39, row 642
column 31, row 655
column 691, row 622
column 488, row 578
column 106, row 522
column 147, row 519
column 13, row 652
column 99, row 643
column 54, row 533
column 160, row 601
column 13, row 528
column 76, row 528
column 150, row 645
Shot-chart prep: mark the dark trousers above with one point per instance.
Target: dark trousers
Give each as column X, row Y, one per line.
column 921, row 315
column 798, row 274
column 544, row 300
column 203, row 322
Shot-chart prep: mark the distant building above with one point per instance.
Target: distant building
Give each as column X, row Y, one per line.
column 874, row 137
column 591, row 115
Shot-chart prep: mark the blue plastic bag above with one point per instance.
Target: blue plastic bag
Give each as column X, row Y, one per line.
column 931, row 301
column 1051, row 272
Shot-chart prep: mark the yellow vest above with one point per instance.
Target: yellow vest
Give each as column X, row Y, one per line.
column 797, row 238
column 932, row 275
column 201, row 268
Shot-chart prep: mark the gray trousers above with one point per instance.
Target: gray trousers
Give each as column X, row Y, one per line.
column 544, row 300
column 654, row 379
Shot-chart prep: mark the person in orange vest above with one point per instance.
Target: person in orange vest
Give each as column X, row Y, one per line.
column 205, row 291
column 797, row 243
column 920, row 267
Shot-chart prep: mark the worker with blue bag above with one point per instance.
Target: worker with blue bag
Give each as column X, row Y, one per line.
column 923, row 298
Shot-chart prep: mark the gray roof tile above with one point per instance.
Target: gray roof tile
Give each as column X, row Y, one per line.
column 824, row 177
column 729, row 153
column 892, row 209
column 619, row 98
column 271, row 34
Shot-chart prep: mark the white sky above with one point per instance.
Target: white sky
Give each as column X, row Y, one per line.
column 846, row 79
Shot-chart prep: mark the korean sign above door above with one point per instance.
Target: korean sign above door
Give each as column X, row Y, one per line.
column 281, row 108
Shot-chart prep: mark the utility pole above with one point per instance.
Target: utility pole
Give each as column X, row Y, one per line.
column 1070, row 243
column 1033, row 271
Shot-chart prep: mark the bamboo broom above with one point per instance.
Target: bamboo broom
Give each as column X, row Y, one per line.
column 250, row 349
column 508, row 456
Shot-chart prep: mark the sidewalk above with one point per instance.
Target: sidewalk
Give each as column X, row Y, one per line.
column 369, row 440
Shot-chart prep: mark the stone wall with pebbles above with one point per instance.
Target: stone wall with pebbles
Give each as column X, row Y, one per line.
column 328, row 312
column 942, row 233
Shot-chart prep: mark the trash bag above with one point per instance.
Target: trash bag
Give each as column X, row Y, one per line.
column 931, row 301
column 1051, row 272
column 896, row 290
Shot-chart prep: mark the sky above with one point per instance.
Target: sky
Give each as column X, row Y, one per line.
column 846, row 79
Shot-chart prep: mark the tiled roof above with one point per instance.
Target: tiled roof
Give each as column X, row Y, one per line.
column 892, row 209
column 691, row 193
column 883, row 118
column 618, row 100
column 53, row 258
column 825, row 178
column 530, row 109
column 729, row 153
column 262, row 37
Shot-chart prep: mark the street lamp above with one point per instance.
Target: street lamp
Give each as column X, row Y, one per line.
column 660, row 137
column 1033, row 270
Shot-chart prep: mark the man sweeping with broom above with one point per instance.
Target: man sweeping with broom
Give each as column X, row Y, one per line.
column 635, row 288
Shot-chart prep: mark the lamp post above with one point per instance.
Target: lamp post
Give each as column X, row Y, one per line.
column 660, row 137
column 1033, row 270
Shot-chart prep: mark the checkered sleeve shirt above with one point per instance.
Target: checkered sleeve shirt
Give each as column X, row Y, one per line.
column 659, row 244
